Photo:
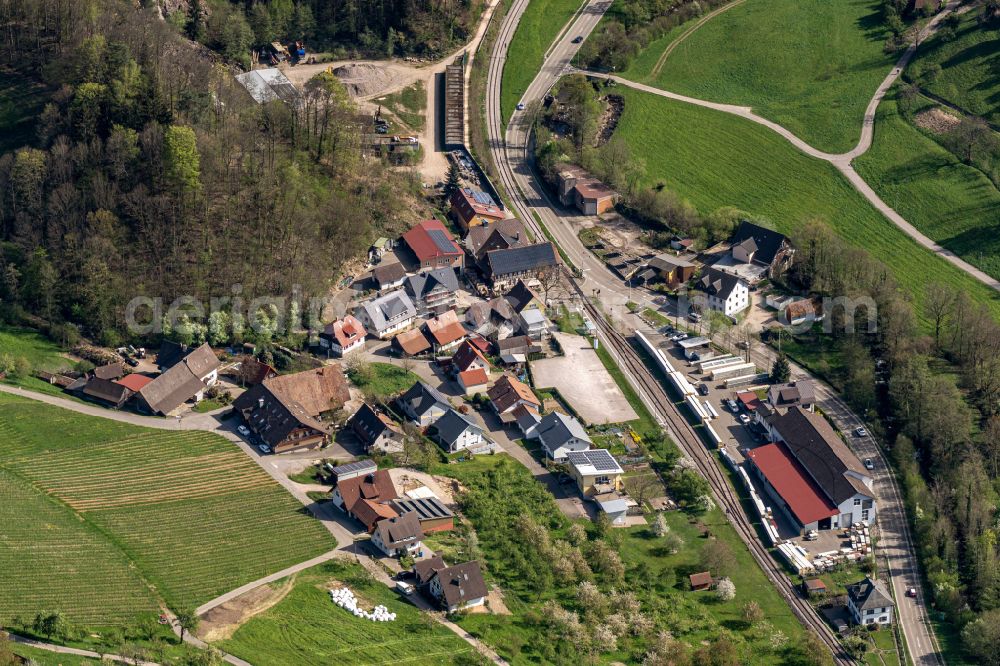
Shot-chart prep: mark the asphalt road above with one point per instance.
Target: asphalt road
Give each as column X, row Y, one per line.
column 532, row 202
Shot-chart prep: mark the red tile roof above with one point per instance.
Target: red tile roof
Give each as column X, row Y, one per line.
column 805, row 499
column 749, row 400
column 477, row 377
column 346, row 331
column 134, row 382
column 466, row 355
column 445, row 328
column 421, row 239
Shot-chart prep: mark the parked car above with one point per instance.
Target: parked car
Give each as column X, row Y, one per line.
column 520, row 106
column 243, row 430
column 745, row 419
column 811, row 535
column 743, row 344
column 731, row 404
column 703, row 388
column 694, row 316
column 911, row 592
column 132, row 362
column 860, row 432
column 264, row 448
column 578, row 39
column 679, row 337
column 869, row 465
column 404, row 588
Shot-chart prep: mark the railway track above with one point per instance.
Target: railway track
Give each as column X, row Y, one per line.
column 665, row 410
column 693, row 446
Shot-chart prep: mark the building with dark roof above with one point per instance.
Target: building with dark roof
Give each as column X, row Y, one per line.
column 285, row 411
column 433, row 246
column 458, row 587
column 185, row 379
column 398, row 536
column 423, row 404
column 388, row 314
column 754, row 244
column 468, row 357
column 376, row 431
column 110, row 371
column 560, row 434
column 509, row 392
column 455, row 432
column 869, row 602
column 724, row 292
column 811, row 473
column 433, row 291
column 494, row 319
column 503, row 268
column 106, row 392
column 433, row 515
column 388, row 276
column 801, row 393
column 499, row 235
column 473, row 208
column 668, row 269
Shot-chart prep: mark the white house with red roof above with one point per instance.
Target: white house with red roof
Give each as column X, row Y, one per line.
column 811, row 474
column 343, row 336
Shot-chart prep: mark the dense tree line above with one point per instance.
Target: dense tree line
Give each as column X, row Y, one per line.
column 374, row 28
column 933, row 393
column 632, row 24
column 155, row 174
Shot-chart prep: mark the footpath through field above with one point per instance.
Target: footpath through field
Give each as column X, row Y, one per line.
column 842, row 161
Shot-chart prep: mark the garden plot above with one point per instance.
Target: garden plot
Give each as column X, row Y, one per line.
column 583, row 382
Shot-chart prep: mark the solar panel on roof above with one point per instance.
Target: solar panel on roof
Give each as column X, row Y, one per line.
column 441, row 240
column 602, row 460
column 482, row 198
column 354, row 467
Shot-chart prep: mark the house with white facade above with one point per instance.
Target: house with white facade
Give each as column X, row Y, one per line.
column 387, row 315
column 455, row 432
column 869, row 602
column 560, row 434
column 343, row 336
column 423, row 404
column 458, row 587
column 811, row 474
column 723, row 292
column 398, row 536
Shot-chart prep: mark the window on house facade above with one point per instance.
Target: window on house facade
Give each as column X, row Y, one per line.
column 857, row 502
column 864, row 514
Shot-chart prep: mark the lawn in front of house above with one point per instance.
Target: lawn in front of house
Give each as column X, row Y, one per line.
column 307, row 629
column 383, row 380
column 809, row 65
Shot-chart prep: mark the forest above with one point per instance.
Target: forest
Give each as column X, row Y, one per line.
column 151, row 172
column 377, row 29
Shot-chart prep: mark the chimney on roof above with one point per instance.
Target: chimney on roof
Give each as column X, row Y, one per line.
column 260, row 403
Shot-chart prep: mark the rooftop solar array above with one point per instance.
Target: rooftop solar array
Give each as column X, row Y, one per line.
column 441, row 240
column 599, row 459
column 482, row 198
column 359, row 466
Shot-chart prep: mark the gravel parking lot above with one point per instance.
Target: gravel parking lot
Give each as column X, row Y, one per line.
column 582, row 380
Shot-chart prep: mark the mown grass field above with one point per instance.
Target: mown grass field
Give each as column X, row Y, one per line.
column 182, row 516
column 714, row 159
column 538, row 27
column 307, row 629
column 809, row 65
column 969, row 75
column 952, row 203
